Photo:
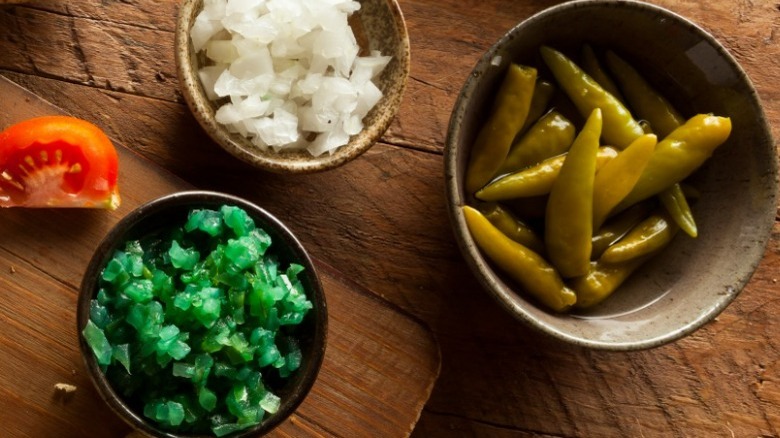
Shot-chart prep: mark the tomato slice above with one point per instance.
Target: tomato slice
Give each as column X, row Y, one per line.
column 57, row 161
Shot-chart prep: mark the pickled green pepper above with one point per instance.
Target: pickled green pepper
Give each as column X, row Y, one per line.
column 676, row 204
column 549, row 136
column 512, row 227
column 526, row 267
column 543, row 93
column 601, row 281
column 618, row 226
column 646, row 102
column 645, row 238
column 535, row 180
column 620, row 128
column 678, row 155
column 592, row 66
column 568, row 225
column 513, row 102
column 617, row 178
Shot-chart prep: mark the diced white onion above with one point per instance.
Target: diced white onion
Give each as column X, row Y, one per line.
column 289, row 69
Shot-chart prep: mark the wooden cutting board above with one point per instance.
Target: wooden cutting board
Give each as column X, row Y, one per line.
column 379, row 368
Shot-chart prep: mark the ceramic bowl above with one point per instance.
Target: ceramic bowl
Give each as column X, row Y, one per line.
column 378, row 25
column 692, row 280
column 172, row 209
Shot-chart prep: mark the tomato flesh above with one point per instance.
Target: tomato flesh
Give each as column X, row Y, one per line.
column 57, row 161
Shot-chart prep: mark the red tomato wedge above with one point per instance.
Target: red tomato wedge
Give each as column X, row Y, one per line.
column 57, row 161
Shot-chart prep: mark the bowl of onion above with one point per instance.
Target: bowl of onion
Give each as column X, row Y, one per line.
column 293, row 86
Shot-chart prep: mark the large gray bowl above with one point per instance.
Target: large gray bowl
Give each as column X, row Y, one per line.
column 693, row 280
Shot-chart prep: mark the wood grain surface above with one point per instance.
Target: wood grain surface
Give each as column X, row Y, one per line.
column 380, row 363
column 381, row 220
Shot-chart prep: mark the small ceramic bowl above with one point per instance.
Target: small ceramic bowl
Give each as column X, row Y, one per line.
column 692, row 280
column 172, row 209
column 378, row 25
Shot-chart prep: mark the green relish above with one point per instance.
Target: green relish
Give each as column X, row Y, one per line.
column 193, row 325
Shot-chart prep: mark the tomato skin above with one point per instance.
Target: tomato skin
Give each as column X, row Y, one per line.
column 57, row 161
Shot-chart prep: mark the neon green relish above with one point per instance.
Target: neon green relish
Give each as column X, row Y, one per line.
column 192, row 325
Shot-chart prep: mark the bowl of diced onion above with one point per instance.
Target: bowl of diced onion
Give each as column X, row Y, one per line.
column 293, row 86
column 201, row 314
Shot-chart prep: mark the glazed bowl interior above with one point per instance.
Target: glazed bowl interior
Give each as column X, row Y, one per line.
column 172, row 210
column 692, row 280
column 378, row 25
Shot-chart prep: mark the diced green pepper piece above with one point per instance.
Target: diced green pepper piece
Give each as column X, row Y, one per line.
column 237, row 400
column 115, row 272
column 269, row 355
column 146, row 318
column 237, row 219
column 175, row 413
column 270, row 403
column 294, row 269
column 183, row 258
column 162, row 284
column 133, row 259
column 179, row 350
column 208, row 221
column 239, row 349
column 207, row 399
column 97, row 340
column 183, row 369
column 98, row 314
column 203, row 364
column 122, row 354
column 207, row 306
column 140, row 290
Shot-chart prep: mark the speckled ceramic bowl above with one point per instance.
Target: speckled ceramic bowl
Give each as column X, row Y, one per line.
column 692, row 280
column 169, row 211
column 378, row 25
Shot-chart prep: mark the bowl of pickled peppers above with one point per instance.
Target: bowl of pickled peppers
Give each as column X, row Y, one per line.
column 611, row 177
column 201, row 314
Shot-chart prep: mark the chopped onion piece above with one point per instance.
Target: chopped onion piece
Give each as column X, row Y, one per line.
column 368, row 96
column 368, row 67
column 208, row 78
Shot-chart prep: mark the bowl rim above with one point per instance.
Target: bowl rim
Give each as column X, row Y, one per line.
column 455, row 198
column 389, row 105
column 193, row 198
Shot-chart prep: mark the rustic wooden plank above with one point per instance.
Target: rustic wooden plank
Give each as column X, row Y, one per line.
column 39, row 352
column 149, row 15
column 90, row 52
column 389, row 359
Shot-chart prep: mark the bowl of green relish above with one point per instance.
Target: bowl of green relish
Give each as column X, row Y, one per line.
column 201, row 314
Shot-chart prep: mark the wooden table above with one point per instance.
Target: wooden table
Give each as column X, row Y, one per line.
column 381, row 220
